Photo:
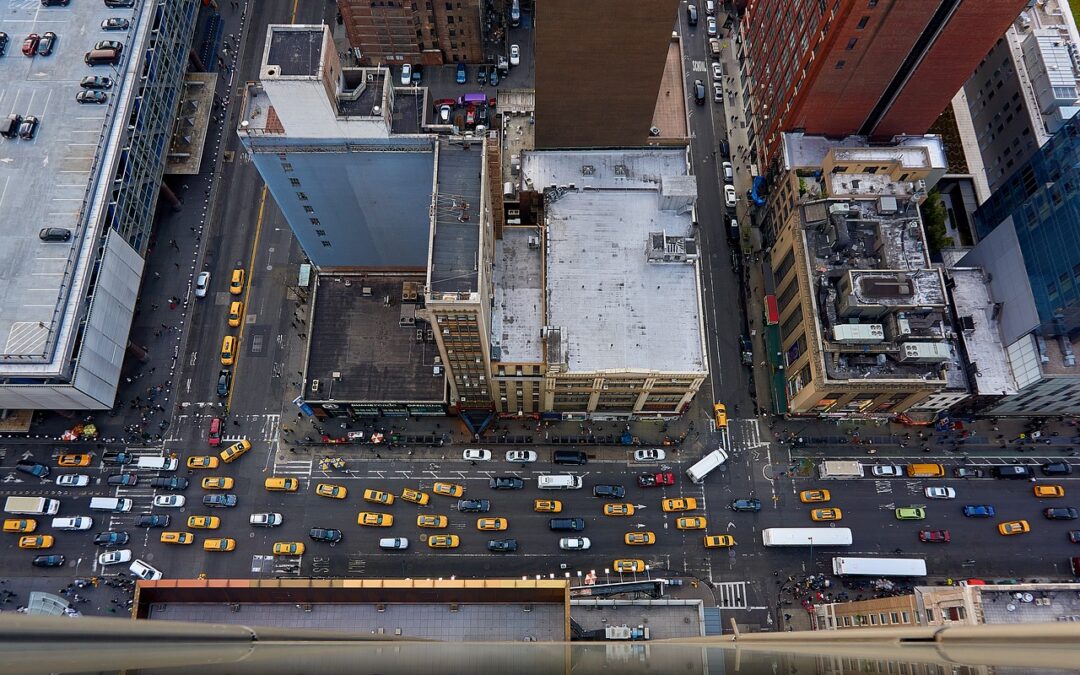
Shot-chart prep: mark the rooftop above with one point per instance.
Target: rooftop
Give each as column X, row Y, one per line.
column 1037, row 603
column 616, row 309
column 455, row 247
column 980, row 332
column 371, row 342
column 516, row 318
column 295, row 50
column 810, row 151
column 53, row 179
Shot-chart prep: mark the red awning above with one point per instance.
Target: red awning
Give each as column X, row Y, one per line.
column 772, row 316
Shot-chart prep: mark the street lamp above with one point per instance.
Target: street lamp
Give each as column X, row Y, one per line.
column 607, row 574
column 579, row 577
column 811, row 540
column 647, row 574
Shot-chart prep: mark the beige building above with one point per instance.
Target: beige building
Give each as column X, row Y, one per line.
column 864, row 316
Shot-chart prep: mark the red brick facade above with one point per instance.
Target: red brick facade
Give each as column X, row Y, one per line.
column 394, row 32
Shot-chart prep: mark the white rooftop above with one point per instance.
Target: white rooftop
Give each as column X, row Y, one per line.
column 809, row 151
column 516, row 318
column 971, row 297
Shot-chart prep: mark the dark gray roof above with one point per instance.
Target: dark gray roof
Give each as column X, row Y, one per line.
column 457, row 217
column 296, row 52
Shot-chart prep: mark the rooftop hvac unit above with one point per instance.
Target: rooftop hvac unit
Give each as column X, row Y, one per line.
column 839, row 207
column 534, row 242
column 314, row 386
column 859, row 333
column 887, row 205
column 924, row 352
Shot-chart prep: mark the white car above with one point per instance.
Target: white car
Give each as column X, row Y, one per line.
column 887, row 470
column 717, row 72
column 717, row 92
column 143, row 571
column 649, row 455
column 515, row 55
column 521, row 456
column 115, row 557
column 202, row 283
column 476, row 455
column 940, row 493
column 574, row 543
column 729, row 196
column 76, row 523
column 73, row 480
column 170, row 501
column 266, row 519
column 406, row 74
column 710, row 26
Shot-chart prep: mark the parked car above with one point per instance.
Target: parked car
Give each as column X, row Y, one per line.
column 46, row 44
column 224, row 382
column 710, row 27
column 1013, row 471
column 202, row 283
column 3, row 42
column 699, row 92
column 887, row 471
column 91, row 96
column 506, row 483
column 967, row 472
column 96, row 82
column 1057, row 469
column 481, row 75
column 54, row 234
column 649, row 455
column 115, row 23
column 406, row 74
column 521, row 456
column 460, row 73
column 515, row 55
column 729, row 196
column 646, row 480
column 30, row 44
column 476, row 455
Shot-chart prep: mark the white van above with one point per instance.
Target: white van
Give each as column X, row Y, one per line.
column 76, row 523
column 559, row 481
column 707, row 463
column 157, row 463
column 110, row 504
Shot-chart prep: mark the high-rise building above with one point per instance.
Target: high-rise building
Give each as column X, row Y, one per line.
column 599, row 65
column 431, row 33
column 879, row 68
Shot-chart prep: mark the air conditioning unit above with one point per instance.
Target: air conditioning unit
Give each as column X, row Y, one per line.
column 314, row 386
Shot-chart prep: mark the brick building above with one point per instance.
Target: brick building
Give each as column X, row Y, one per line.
column 878, row 68
column 393, row 32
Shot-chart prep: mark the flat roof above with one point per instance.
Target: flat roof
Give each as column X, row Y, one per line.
column 809, row 151
column 295, row 50
column 51, row 180
column 354, row 332
column 408, row 110
column 516, row 318
column 980, row 333
column 456, row 244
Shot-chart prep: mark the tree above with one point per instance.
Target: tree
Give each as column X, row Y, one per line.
column 933, row 213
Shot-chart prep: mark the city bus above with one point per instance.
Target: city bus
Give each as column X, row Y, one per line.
column 806, row 536
column 879, row 567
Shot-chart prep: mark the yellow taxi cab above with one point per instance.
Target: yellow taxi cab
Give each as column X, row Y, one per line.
column 288, row 548
column 177, row 537
column 331, row 491
column 431, row 521
column 20, row 525
column 547, row 506
column 820, row 515
column 814, row 496
column 228, row 350
column 203, row 522
column 676, row 504
column 720, row 415
column 719, row 540
column 443, row 541
column 491, row 523
column 619, row 509
column 415, row 496
column 36, row 541
column 1049, row 491
column 1014, row 527
column 640, row 538
column 74, row 460
column 217, row 482
column 236, row 281
column 233, row 452
column 378, row 497
column 202, row 462
column 373, row 519
column 236, row 310
column 222, row 545
column 628, row 565
column 448, row 489
column 279, row 484
column 691, row 523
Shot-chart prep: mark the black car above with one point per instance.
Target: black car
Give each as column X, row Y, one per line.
column 699, row 92
column 612, row 491
column 111, row 538
column 323, row 534
column 219, row 501
column 54, row 3
column 116, row 457
column 473, row 505
column 566, row 524
column 753, row 505
column 1074, row 536
column 32, row 468
column 54, row 234
column 54, row 560
column 1057, row 469
column 114, row 45
column 746, row 350
column 152, row 520
column 125, row 479
column 115, row 23
column 502, row 545
column 481, row 75
column 46, row 44
column 506, row 483
column 224, row 381
column 119, row 3
column 1061, row 513
column 725, row 150
column 96, row 82
column 3, row 42
column 569, row 457
column 91, row 96
column 1012, row 471
column 170, row 483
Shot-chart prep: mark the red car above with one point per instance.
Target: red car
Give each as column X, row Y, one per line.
column 29, row 45
column 214, row 437
column 655, row 479
column 934, row 536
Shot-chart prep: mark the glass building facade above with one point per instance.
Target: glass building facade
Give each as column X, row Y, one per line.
column 1042, row 198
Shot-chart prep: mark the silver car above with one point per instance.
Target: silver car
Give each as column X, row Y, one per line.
column 116, row 557
column 574, row 543
column 887, row 470
column 266, row 519
column 522, row 456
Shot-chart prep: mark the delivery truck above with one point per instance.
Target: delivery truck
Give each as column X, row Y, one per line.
column 32, row 506
column 840, row 469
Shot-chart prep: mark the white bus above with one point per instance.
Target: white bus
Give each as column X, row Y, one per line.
column 879, row 567
column 806, row 536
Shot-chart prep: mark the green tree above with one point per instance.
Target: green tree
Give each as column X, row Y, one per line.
column 933, row 213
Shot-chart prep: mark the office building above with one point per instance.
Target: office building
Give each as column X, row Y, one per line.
column 599, row 65
column 428, row 33
column 1029, row 245
column 878, row 68
column 1024, row 90
column 93, row 173
column 865, row 325
column 342, row 152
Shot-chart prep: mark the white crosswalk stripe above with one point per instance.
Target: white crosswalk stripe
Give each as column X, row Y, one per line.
column 731, row 595
column 293, row 468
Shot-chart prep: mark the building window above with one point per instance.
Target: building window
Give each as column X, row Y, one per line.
column 851, row 44
column 906, row 617
column 302, row 196
column 840, row 64
column 862, row 22
column 320, row 233
column 286, row 167
column 325, row 244
column 309, row 209
column 295, row 182
column 314, row 221
column 930, row 615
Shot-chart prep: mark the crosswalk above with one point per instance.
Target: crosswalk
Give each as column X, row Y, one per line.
column 294, row 468
column 731, row 595
column 258, row 427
